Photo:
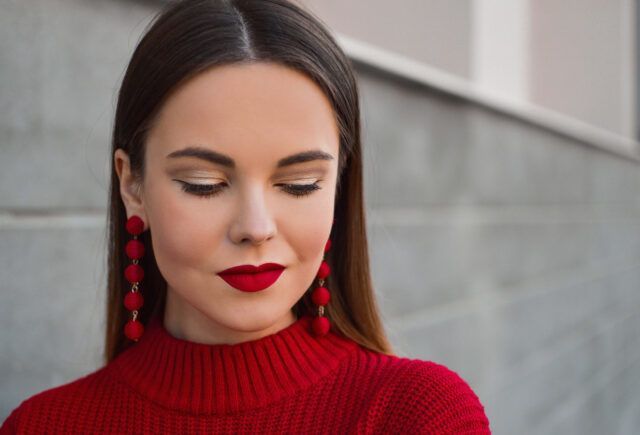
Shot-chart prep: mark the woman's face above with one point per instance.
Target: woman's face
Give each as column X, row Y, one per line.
column 255, row 115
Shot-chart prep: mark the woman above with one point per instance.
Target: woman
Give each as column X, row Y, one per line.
column 240, row 298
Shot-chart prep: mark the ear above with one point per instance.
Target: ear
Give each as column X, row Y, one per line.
column 130, row 188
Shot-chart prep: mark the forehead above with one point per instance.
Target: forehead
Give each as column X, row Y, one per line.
column 247, row 110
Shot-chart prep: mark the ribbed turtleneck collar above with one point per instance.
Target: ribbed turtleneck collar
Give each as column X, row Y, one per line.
column 223, row 378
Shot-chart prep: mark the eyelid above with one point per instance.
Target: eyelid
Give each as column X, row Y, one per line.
column 308, row 173
column 215, row 180
column 212, row 190
column 308, row 179
column 186, row 171
column 308, row 182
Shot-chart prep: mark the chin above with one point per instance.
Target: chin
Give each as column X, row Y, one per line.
column 251, row 319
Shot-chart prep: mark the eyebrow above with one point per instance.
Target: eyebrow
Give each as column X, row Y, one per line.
column 224, row 160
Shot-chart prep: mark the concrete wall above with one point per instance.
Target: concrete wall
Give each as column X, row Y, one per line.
column 584, row 61
column 502, row 250
column 436, row 32
column 577, row 57
column 508, row 253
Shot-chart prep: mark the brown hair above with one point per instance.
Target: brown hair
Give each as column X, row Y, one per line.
column 184, row 39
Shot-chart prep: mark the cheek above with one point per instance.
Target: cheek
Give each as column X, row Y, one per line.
column 310, row 238
column 182, row 234
column 307, row 227
column 307, row 239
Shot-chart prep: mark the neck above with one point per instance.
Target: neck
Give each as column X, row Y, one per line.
column 183, row 321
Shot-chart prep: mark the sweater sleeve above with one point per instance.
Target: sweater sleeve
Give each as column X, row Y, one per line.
column 429, row 398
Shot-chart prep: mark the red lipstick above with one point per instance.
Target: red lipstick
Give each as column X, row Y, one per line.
column 250, row 278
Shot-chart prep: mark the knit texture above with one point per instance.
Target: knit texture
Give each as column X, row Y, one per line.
column 287, row 382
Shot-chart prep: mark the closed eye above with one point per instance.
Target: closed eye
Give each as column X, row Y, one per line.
column 210, row 190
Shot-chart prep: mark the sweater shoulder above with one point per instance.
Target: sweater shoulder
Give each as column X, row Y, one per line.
column 62, row 398
column 425, row 397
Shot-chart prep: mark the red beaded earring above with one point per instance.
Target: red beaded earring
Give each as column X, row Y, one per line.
column 321, row 296
column 134, row 273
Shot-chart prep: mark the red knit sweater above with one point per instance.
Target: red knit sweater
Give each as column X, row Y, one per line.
column 287, row 382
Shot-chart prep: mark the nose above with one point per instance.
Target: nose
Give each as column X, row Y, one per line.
column 254, row 221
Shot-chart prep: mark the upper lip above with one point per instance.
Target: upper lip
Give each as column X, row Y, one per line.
column 248, row 268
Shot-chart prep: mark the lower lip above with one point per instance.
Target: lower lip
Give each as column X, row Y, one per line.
column 252, row 282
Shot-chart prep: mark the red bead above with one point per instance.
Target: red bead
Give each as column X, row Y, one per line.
column 327, row 245
column 320, row 325
column 133, row 330
column 324, row 270
column 320, row 296
column 134, row 225
column 134, row 273
column 133, row 301
column 134, row 249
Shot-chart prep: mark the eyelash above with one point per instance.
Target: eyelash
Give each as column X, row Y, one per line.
column 210, row 190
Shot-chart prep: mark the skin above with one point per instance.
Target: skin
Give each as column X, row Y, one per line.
column 256, row 114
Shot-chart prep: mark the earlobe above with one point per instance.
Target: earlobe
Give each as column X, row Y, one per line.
column 130, row 189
